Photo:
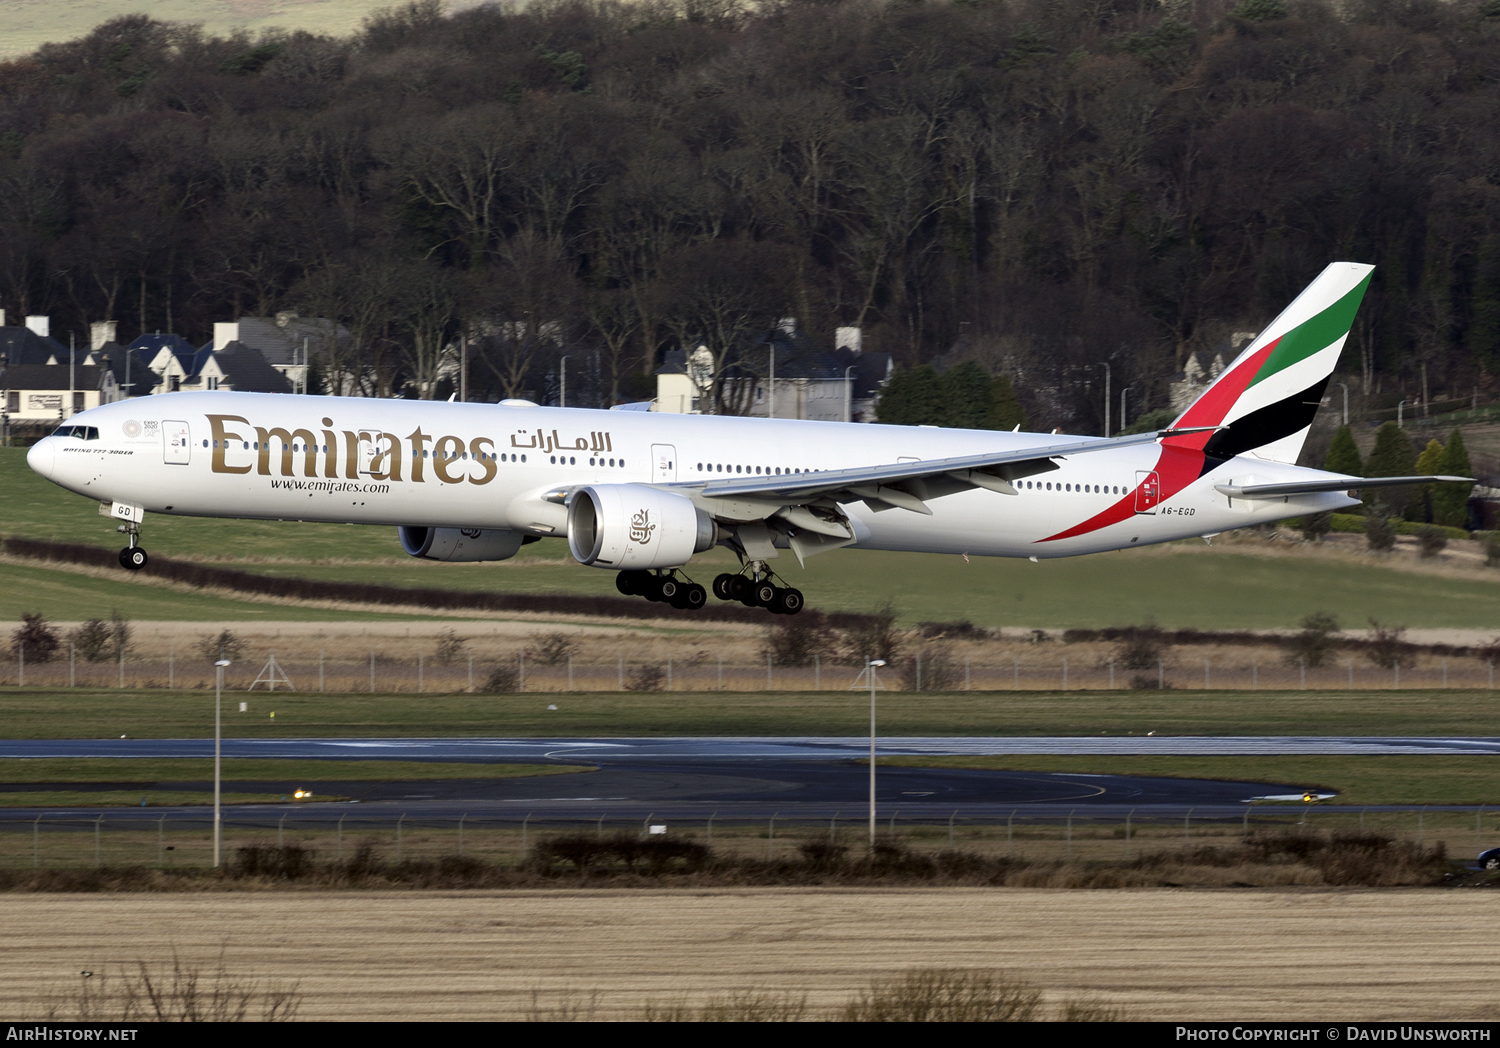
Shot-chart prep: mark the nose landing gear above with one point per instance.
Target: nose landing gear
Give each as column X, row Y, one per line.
column 758, row 590
column 132, row 557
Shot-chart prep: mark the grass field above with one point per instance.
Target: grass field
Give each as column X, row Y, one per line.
column 1358, row 780
column 85, row 713
column 1244, row 584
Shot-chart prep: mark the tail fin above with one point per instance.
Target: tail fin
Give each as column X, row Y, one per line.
column 1268, row 396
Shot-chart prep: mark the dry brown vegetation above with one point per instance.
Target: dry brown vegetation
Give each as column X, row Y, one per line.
column 1158, row 955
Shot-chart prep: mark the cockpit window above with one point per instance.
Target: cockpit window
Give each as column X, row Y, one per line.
column 81, row 432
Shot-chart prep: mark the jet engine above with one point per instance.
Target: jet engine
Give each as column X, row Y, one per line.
column 634, row 527
column 460, row 544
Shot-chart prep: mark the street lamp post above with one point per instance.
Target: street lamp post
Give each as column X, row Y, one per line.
column 849, row 394
column 218, row 726
column 562, row 372
column 870, row 668
column 1124, row 391
column 1106, row 398
column 1346, row 401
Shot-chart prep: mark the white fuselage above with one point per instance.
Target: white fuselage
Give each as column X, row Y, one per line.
column 435, row 464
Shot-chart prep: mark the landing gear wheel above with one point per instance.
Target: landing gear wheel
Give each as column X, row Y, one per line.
column 669, row 589
column 692, row 598
column 722, row 586
column 632, row 583
column 787, row 601
column 762, row 593
column 651, row 587
column 739, row 589
column 133, row 558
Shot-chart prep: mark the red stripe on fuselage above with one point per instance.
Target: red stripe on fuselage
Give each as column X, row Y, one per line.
column 1181, row 460
column 1176, row 468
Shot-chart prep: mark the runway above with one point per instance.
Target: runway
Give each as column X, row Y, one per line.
column 740, row 778
column 746, row 748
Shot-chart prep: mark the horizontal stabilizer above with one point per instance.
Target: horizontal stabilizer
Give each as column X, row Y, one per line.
column 1313, row 487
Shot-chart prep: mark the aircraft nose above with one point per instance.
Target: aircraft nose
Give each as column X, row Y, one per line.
column 42, row 456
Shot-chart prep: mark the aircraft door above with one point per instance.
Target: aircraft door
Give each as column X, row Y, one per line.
column 663, row 463
column 1147, row 491
column 176, row 442
column 369, row 444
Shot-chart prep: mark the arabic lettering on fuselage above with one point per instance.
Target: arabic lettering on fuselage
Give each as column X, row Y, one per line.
column 240, row 446
column 545, row 443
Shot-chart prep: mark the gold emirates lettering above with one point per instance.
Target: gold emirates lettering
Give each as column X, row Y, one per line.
column 233, row 454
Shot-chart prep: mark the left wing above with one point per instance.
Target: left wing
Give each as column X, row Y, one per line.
column 908, row 485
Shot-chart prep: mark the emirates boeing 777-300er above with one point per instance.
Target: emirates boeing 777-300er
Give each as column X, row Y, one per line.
column 640, row 494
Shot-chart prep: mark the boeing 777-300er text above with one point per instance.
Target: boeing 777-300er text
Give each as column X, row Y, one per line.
column 641, row 493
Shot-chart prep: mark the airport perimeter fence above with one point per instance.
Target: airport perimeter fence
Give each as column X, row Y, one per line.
column 384, row 674
column 172, row 839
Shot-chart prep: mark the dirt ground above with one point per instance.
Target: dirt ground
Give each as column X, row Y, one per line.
column 1161, row 955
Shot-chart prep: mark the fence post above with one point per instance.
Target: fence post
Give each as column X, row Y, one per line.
column 1010, row 830
column 1302, row 666
column 171, row 666
column 768, row 671
column 919, row 671
column 1065, row 673
column 1015, row 669
column 521, row 675
column 1127, row 831
column 818, row 674
column 341, row 836
column 771, row 836
column 1254, row 675
column 570, row 672
column 21, row 664
column 1445, row 673
column 122, row 667
column 711, row 829
column 280, row 827
column 1111, row 674
column 421, row 683
column 398, row 835
column 1398, row 674
column 950, row 827
column 1492, row 673
column 669, row 674
column 1205, row 674
column 622, row 673
column 1187, row 824
column 721, row 673
column 461, row 819
column 1421, row 826
column 1351, row 673
column 98, row 824
column 161, row 843
column 320, row 669
column 966, row 673
column 72, row 658
column 471, row 672
column 833, row 829
column 525, row 827
column 599, row 833
column 36, row 843
column 372, row 673
column 1070, row 833
column 1161, row 675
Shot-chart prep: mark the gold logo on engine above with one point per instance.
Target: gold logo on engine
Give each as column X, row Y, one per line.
column 641, row 527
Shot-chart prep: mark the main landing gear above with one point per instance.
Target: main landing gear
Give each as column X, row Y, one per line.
column 665, row 587
column 132, row 557
column 757, row 590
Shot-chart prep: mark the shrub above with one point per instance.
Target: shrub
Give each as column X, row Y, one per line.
column 962, row 629
column 933, row 995
column 450, row 647
column 647, row 677
column 552, row 649
column 289, row 863
column 179, row 993
column 1316, row 526
column 1379, row 535
column 225, row 646
column 796, row 639
column 119, row 635
column 501, row 679
column 91, row 640
column 1141, row 647
column 1315, row 642
column 1387, row 645
column 35, row 638
column 873, row 637
column 932, row 668
column 1430, row 541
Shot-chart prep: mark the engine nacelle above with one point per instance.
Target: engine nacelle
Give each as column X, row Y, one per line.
column 460, row 544
column 633, row 526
